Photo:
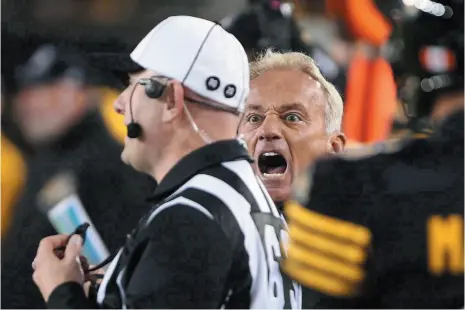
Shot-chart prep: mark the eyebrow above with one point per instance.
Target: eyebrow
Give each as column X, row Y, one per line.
column 281, row 108
column 292, row 106
column 254, row 107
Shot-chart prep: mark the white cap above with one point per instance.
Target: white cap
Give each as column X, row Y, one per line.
column 202, row 55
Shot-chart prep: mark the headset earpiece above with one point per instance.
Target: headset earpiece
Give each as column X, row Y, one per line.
column 154, row 89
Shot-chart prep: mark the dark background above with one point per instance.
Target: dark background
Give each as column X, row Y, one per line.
column 91, row 25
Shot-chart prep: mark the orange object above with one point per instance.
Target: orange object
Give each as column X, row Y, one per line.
column 355, row 94
column 336, row 8
column 113, row 121
column 370, row 99
column 366, row 22
column 381, row 101
column 363, row 19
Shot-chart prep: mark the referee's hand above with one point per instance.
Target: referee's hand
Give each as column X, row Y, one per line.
column 91, row 277
column 51, row 271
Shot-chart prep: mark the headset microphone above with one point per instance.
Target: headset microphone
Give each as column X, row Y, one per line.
column 134, row 130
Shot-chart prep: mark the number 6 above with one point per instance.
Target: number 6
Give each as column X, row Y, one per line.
column 273, row 254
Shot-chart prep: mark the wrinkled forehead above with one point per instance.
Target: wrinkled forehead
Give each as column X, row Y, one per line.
column 279, row 89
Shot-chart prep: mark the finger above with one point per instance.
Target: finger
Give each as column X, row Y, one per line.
column 94, row 278
column 73, row 249
column 47, row 246
column 60, row 254
column 84, row 263
column 86, row 287
column 87, row 278
column 100, row 271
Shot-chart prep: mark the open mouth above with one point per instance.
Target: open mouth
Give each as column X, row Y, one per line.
column 272, row 164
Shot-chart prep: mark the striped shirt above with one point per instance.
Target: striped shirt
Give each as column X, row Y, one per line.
column 211, row 241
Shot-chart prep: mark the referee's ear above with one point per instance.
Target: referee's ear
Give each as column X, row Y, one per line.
column 174, row 101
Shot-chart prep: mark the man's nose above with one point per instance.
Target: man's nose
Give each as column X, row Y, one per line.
column 270, row 129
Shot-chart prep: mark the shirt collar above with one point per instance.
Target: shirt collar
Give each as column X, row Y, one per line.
column 198, row 160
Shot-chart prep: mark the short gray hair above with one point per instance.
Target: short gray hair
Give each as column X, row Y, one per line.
column 292, row 60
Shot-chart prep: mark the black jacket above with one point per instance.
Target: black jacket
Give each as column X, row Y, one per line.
column 109, row 190
column 202, row 246
column 388, row 227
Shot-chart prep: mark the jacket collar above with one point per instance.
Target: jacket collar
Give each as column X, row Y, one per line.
column 197, row 161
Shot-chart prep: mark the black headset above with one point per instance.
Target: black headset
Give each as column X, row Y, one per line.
column 154, row 89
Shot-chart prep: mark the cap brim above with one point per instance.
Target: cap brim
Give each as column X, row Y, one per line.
column 114, row 62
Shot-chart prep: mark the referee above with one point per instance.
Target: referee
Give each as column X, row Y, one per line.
column 213, row 237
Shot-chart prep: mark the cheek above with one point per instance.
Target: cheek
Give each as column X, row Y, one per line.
column 243, row 128
column 139, row 108
column 134, row 103
column 149, row 115
column 306, row 146
column 37, row 106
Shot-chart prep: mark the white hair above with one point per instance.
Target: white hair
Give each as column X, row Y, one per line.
column 298, row 61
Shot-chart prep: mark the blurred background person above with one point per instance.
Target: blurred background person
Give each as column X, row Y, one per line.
column 328, row 31
column 385, row 230
column 370, row 93
column 266, row 24
column 292, row 116
column 56, row 110
column 373, row 112
column 119, row 65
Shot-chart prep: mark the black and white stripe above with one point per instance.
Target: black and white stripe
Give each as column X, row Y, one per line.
column 232, row 195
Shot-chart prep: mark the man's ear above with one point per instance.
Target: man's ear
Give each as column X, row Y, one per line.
column 174, row 100
column 336, row 143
